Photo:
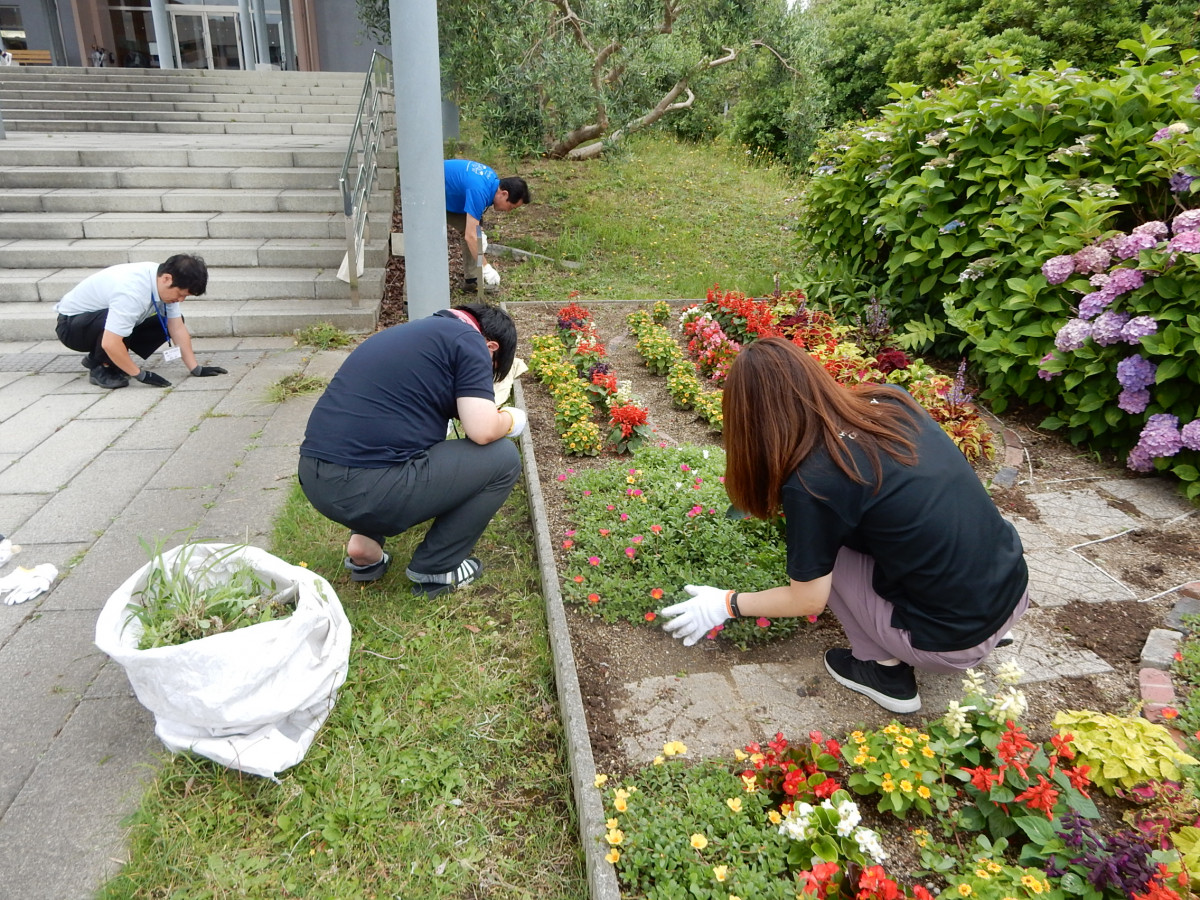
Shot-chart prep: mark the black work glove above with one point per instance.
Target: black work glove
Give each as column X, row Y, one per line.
column 154, row 380
column 206, row 371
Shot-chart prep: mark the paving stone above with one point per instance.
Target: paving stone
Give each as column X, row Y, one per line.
column 1056, row 577
column 166, row 425
column 1006, row 477
column 1156, row 686
column 1081, row 512
column 1045, row 661
column 671, row 711
column 1033, row 536
column 60, row 457
column 23, row 431
column 1188, row 605
column 210, row 453
column 27, row 390
column 1159, row 649
column 17, row 508
column 1154, row 498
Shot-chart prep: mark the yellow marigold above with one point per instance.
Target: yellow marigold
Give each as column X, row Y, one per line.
column 906, row 786
column 613, row 855
column 908, row 729
column 904, row 763
column 927, row 752
column 983, row 873
column 965, row 890
column 1032, row 883
column 857, row 736
column 906, row 741
column 699, row 841
column 887, row 787
column 615, row 836
column 892, row 729
column 995, row 868
column 600, row 780
column 774, row 817
column 923, row 792
column 734, row 803
column 720, row 872
column 860, row 759
column 923, row 737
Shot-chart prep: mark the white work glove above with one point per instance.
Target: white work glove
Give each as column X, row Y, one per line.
column 7, row 550
column 25, row 584
column 520, row 420
column 483, row 242
column 693, row 619
column 490, row 275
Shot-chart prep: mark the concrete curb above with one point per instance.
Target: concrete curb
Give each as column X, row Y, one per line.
column 602, row 877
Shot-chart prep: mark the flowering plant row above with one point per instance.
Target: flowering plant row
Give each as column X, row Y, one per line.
column 931, row 206
column 1005, row 817
column 662, row 355
column 573, row 369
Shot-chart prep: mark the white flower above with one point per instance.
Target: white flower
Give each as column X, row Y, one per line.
column 1009, row 673
column 955, row 719
column 1010, row 704
column 973, row 683
column 868, row 843
column 848, row 817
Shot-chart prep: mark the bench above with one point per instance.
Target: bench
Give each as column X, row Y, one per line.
column 32, row 57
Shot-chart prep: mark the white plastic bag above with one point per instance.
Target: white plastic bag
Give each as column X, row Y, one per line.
column 253, row 698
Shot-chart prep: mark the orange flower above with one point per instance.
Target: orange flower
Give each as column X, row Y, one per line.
column 593, row 598
column 651, row 616
column 657, row 593
column 579, row 579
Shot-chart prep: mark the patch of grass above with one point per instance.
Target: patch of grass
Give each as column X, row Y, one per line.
column 440, row 773
column 323, row 336
column 295, row 384
column 662, row 220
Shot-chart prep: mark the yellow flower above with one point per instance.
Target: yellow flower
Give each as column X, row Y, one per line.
column 720, row 872
column 887, row 787
column 904, row 763
column 923, row 737
column 923, row 792
column 671, row 748
column 615, row 836
column 995, row 868
column 600, row 780
column 860, row 759
column 749, row 782
column 621, row 794
column 857, row 736
column 303, row 565
column 613, row 855
column 892, row 729
column 774, row 817
column 630, row 479
column 658, row 760
column 983, row 873
column 1032, row 884
column 611, row 824
column 906, row 741
column 965, row 890
column 906, row 786
column 620, row 805
column 739, row 755
column 927, row 752
column 699, row 841
column 734, row 803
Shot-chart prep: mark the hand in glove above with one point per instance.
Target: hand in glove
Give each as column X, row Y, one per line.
column 151, row 378
column 520, row 420
column 693, row 619
column 25, row 584
column 207, row 371
column 490, row 276
column 7, row 549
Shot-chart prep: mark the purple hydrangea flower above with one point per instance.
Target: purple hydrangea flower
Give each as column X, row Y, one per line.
column 1134, row 372
column 1107, row 328
column 1137, row 328
column 1133, row 402
column 1099, row 280
column 1131, row 245
column 1190, row 434
column 1185, row 242
column 1156, row 228
column 1188, row 220
column 1121, row 281
column 1139, row 460
column 1161, row 435
column 1093, row 303
column 1181, row 182
column 1058, row 269
column 1161, row 135
column 1072, row 335
column 1093, row 258
column 1196, row 92
column 1043, row 374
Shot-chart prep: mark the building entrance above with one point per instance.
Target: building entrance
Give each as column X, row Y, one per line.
column 207, row 38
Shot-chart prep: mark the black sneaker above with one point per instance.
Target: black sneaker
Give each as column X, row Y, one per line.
column 1005, row 641
column 471, row 284
column 892, row 687
column 466, row 572
column 370, row 572
column 88, row 363
column 108, row 377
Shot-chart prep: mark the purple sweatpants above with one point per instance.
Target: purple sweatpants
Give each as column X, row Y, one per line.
column 866, row 618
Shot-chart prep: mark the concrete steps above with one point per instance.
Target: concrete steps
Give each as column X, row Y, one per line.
column 109, row 166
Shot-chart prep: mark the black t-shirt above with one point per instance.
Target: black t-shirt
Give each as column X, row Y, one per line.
column 393, row 396
column 944, row 556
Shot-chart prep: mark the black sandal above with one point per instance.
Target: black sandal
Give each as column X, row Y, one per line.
column 372, row 572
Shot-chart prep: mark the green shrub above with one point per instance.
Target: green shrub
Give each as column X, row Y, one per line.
column 1123, row 751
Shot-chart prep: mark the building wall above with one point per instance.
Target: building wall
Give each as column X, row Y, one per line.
column 342, row 42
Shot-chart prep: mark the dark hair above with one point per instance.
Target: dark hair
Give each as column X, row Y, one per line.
column 187, row 272
column 518, row 190
column 495, row 325
column 780, row 405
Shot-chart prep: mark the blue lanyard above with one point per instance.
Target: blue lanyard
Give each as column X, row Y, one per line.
column 162, row 317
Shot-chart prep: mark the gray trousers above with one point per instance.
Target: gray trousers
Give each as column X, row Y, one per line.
column 458, row 221
column 459, row 484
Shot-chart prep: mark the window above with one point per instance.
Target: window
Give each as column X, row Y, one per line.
column 12, row 32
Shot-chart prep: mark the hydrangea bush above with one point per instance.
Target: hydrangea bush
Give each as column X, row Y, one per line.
column 1042, row 222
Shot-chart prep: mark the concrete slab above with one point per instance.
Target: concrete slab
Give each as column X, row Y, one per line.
column 247, row 506
column 208, row 456
column 23, row 431
column 1155, row 499
column 1056, row 577
column 26, row 390
column 17, row 508
column 1081, row 512
column 166, row 425
column 60, row 457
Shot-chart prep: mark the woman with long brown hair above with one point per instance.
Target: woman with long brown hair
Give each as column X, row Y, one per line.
column 887, row 524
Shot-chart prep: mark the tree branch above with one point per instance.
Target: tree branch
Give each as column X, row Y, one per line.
column 670, row 14
column 573, row 21
column 777, row 56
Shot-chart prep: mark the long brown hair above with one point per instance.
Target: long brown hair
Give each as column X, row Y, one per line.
column 780, row 405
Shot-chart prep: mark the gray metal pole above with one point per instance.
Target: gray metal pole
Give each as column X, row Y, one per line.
column 162, row 34
column 246, row 32
column 419, row 146
column 259, row 8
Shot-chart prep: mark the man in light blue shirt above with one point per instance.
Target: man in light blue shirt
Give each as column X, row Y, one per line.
column 133, row 307
column 471, row 188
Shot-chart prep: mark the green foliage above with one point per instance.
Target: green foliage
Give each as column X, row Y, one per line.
column 951, row 201
column 199, row 594
column 323, row 336
column 1123, row 751
column 898, row 764
column 295, row 384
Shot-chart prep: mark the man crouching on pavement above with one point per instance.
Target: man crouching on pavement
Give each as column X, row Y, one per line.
column 133, row 307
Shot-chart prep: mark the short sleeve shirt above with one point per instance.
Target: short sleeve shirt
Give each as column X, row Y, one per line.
column 946, row 559
column 128, row 291
column 470, row 187
column 392, row 398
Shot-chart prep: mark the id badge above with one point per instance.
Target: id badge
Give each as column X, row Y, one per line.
column 170, row 354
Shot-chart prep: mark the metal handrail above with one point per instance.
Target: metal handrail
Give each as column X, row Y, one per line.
column 360, row 169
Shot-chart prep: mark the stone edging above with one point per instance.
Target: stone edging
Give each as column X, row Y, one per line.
column 1155, row 686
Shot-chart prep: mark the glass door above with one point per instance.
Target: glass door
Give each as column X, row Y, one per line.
column 207, row 39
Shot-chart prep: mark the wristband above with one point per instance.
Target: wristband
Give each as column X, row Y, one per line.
column 733, row 605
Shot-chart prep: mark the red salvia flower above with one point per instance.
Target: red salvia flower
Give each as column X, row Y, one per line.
column 1042, row 795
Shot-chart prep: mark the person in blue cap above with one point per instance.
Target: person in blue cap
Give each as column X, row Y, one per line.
column 133, row 307
column 472, row 187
